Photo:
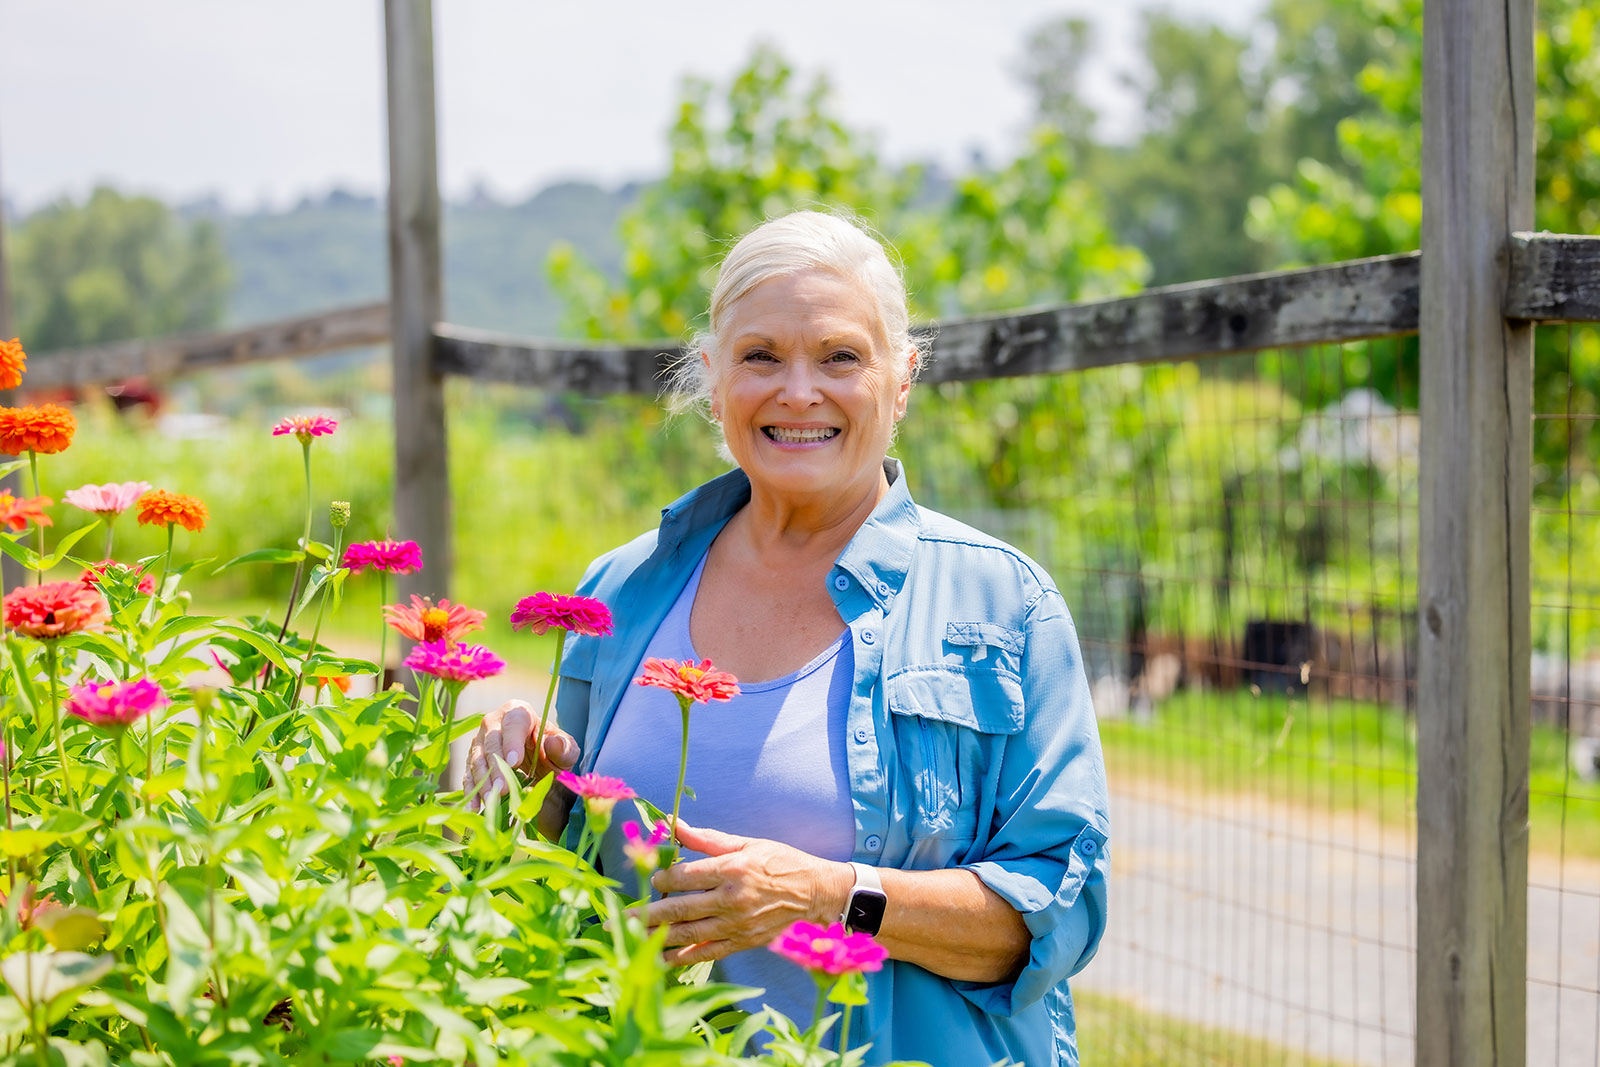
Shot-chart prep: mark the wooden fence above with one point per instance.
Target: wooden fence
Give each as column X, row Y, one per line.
column 1473, row 293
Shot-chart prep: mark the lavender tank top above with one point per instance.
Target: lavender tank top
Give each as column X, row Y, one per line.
column 768, row 763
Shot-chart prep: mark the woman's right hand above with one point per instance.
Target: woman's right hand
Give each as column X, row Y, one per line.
column 507, row 732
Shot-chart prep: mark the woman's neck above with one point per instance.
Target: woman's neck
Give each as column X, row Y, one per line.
column 774, row 525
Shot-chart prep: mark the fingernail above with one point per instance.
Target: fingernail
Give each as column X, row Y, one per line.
column 514, row 757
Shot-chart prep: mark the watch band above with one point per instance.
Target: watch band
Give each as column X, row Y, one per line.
column 864, row 908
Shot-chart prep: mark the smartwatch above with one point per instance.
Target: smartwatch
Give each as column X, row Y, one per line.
column 863, row 911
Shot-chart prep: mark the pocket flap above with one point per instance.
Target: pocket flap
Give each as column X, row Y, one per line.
column 984, row 633
column 987, row 701
column 578, row 657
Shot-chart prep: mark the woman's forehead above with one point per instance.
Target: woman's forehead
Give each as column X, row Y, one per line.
column 818, row 307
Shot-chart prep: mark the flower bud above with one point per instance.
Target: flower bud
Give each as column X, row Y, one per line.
column 339, row 514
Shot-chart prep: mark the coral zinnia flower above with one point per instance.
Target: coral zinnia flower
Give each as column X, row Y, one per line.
column 95, row 571
column 109, row 500
column 115, row 703
column 454, row 663
column 829, row 950
column 305, row 427
column 580, row 614
column 54, row 609
column 43, row 428
column 426, row 621
column 16, row 512
column 593, row 786
column 13, row 361
column 396, row 557
column 161, row 508
column 700, row 683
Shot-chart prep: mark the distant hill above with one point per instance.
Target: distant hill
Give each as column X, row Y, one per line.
column 331, row 251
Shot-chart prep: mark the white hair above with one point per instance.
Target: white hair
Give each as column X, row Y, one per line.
column 801, row 241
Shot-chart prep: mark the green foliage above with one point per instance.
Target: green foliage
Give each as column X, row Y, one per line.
column 114, row 268
column 265, row 872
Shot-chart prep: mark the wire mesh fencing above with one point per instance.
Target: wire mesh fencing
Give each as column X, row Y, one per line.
column 1564, row 786
column 1237, row 540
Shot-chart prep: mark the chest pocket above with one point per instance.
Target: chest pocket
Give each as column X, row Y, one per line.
column 948, row 722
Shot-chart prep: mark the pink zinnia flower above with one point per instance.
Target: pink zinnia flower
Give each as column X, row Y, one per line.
column 115, row 703
column 109, row 500
column 305, row 427
column 697, row 682
column 426, row 621
column 54, row 609
column 580, row 614
column 95, row 571
column 645, row 852
column 455, row 663
column 396, row 557
column 598, row 787
column 829, row 950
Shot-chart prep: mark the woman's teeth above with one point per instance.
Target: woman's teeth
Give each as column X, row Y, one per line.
column 799, row 437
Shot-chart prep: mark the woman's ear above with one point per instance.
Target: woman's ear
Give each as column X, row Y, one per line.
column 904, row 395
column 716, row 408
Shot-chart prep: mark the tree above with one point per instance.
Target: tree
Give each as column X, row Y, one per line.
column 113, row 268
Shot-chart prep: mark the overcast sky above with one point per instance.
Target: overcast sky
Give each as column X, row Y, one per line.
column 262, row 101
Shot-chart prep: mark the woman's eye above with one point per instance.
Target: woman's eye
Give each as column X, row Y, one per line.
column 842, row 357
column 758, row 356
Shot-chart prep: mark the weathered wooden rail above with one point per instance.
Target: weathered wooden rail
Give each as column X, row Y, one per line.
column 1553, row 278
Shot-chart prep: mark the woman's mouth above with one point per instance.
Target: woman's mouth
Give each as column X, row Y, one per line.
column 786, row 436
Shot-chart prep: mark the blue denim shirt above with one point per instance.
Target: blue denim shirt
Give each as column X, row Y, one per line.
column 971, row 743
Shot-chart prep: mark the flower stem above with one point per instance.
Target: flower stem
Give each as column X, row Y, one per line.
column 322, row 608
column 111, row 521
column 149, row 757
column 549, row 694
column 683, row 764
column 424, row 705
column 166, row 563
column 844, row 1033
column 383, row 632
column 55, row 718
column 305, row 543
column 38, row 528
column 822, row 1006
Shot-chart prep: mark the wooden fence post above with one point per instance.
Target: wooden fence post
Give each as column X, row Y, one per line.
column 421, row 468
column 1472, row 749
column 11, row 573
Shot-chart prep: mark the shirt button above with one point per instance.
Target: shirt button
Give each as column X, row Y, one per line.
column 874, row 843
column 867, row 636
column 840, row 583
column 861, row 734
column 883, row 588
column 1088, row 848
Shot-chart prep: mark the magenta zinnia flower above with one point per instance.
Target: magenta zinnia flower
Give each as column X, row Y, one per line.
column 454, row 663
column 829, row 950
column 580, row 614
column 645, row 851
column 395, row 557
column 109, row 500
column 115, row 703
column 305, row 427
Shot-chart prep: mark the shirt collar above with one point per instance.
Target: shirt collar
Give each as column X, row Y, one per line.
column 878, row 556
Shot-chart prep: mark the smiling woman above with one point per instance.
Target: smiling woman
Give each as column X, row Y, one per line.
column 912, row 750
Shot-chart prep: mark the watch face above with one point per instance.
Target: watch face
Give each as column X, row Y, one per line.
column 866, row 911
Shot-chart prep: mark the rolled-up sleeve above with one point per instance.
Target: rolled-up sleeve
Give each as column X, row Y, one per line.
column 1047, row 854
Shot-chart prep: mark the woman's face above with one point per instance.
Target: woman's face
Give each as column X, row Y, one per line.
column 805, row 388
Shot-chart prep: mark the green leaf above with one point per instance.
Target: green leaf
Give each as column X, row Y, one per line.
column 37, row 978
column 66, row 543
column 263, row 555
column 264, row 645
column 69, row 929
column 11, row 546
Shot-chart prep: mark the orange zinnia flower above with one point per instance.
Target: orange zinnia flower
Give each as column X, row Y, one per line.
column 42, row 428
column 699, row 683
column 161, row 508
column 16, row 512
column 13, row 361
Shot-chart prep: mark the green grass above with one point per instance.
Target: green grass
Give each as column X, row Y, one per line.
column 1332, row 755
column 1114, row 1031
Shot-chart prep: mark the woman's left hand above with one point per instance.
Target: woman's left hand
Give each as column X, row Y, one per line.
column 746, row 892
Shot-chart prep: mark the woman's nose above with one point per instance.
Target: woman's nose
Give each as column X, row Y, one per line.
column 800, row 385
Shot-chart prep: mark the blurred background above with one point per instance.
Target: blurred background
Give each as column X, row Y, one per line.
column 1236, row 536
